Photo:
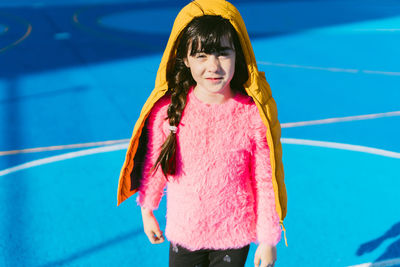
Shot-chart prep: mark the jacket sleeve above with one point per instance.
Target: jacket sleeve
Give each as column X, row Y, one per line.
column 152, row 184
column 268, row 228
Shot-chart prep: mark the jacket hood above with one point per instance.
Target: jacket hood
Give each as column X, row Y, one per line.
column 227, row 11
column 256, row 86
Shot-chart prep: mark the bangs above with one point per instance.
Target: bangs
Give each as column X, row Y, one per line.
column 207, row 34
column 207, row 37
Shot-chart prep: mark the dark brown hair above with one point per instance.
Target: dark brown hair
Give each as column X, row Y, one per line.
column 206, row 32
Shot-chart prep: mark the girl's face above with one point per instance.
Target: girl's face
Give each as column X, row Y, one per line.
column 213, row 72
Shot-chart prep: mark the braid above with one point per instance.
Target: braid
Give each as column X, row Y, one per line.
column 180, row 79
column 179, row 82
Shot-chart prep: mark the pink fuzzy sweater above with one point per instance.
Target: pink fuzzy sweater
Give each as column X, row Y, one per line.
column 221, row 195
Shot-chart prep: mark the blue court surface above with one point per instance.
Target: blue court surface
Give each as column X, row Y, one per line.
column 75, row 74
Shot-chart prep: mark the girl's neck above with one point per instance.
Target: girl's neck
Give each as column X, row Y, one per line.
column 213, row 98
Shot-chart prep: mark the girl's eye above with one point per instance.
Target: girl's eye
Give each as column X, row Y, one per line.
column 200, row 55
column 225, row 54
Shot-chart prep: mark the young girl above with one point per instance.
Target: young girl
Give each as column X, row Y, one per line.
column 209, row 132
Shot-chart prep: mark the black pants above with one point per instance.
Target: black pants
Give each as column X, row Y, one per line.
column 182, row 257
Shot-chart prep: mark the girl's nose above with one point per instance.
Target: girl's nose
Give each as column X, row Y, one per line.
column 213, row 63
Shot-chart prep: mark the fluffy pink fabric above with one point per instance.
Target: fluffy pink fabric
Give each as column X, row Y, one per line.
column 221, row 195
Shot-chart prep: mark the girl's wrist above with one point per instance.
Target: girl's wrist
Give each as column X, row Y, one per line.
column 146, row 211
column 266, row 244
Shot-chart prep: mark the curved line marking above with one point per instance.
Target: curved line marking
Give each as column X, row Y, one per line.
column 365, row 149
column 98, row 150
column 283, row 125
column 391, row 73
column 63, row 157
column 101, row 34
column 52, row 148
column 340, row 119
column 27, row 33
column 386, row 263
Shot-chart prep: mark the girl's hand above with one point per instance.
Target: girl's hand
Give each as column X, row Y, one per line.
column 151, row 227
column 267, row 255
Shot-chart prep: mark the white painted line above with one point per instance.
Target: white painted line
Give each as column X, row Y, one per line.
column 378, row 30
column 283, row 125
column 340, row 119
column 43, row 161
column 308, row 67
column 61, row 147
column 63, row 157
column 387, row 263
column 365, row 149
column 331, row 69
column 381, row 72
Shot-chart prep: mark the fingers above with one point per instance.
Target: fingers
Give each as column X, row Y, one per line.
column 156, row 238
column 257, row 263
column 268, row 265
column 151, row 228
column 265, row 256
column 272, row 264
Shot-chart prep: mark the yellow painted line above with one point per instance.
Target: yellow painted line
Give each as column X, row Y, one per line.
column 27, row 33
column 107, row 36
column 75, row 17
column 5, row 30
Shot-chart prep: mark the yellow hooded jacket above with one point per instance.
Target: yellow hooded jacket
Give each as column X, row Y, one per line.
column 256, row 86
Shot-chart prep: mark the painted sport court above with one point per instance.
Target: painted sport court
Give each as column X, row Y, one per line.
column 74, row 75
